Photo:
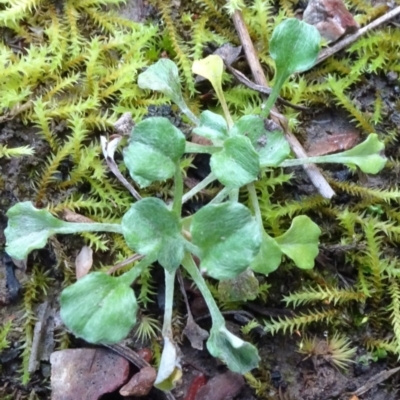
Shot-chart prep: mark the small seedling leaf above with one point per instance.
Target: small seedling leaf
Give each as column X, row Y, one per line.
column 238, row 355
column 300, row 242
column 272, row 147
column 237, row 164
column 210, row 68
column 212, row 126
column 366, row 155
column 99, row 308
column 154, row 149
column 150, row 227
column 294, row 46
column 269, row 257
column 244, row 287
column 170, row 371
column 228, row 238
column 29, row 228
column 163, row 76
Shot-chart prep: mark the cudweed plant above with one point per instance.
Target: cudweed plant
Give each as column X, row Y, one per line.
column 227, row 237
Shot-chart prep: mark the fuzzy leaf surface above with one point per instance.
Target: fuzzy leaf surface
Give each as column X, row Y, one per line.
column 237, row 164
column 294, row 46
column 228, row 237
column 243, row 287
column 163, row 76
column 365, row 155
column 212, row 126
column 29, row 228
column 99, row 308
column 149, row 227
column 170, row 371
column 154, row 150
column 269, row 257
column 238, row 355
column 272, row 147
column 300, row 242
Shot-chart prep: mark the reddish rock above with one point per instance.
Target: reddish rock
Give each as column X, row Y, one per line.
column 222, row 387
column 331, row 18
column 140, row 384
column 86, row 374
column 146, row 354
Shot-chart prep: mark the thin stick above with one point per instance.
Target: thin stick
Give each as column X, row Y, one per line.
column 311, row 170
column 352, row 38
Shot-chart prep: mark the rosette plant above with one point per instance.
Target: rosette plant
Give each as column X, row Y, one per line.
column 226, row 236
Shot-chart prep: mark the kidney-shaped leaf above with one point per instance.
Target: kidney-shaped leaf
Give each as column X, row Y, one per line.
column 271, row 146
column 238, row 355
column 300, row 242
column 294, row 46
column 228, row 237
column 99, row 308
column 237, row 164
column 268, row 258
column 153, row 151
column 149, row 227
column 212, row 126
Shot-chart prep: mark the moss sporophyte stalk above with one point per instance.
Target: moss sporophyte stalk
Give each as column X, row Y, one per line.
column 226, row 236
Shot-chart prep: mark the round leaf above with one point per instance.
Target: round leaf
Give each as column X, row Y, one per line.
column 153, row 151
column 228, row 237
column 294, row 46
column 271, row 146
column 238, row 355
column 237, row 164
column 99, row 308
column 150, row 227
column 269, row 257
column 300, row 242
column 212, row 126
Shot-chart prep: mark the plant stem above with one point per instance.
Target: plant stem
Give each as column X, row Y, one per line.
column 169, row 300
column 199, row 187
column 234, row 195
column 190, row 266
column 138, row 269
column 220, row 197
column 255, row 204
column 178, row 192
column 330, row 158
column 267, row 106
column 189, row 114
column 199, row 148
column 76, row 227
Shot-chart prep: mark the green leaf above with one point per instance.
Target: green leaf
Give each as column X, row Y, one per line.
column 228, row 237
column 154, row 149
column 294, row 46
column 212, row 68
column 29, row 228
column 212, row 126
column 271, row 146
column 150, row 227
column 163, row 76
column 365, row 155
column 238, row 355
column 99, row 308
column 237, row 164
column 170, row 371
column 300, row 242
column 269, row 257
column 241, row 288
